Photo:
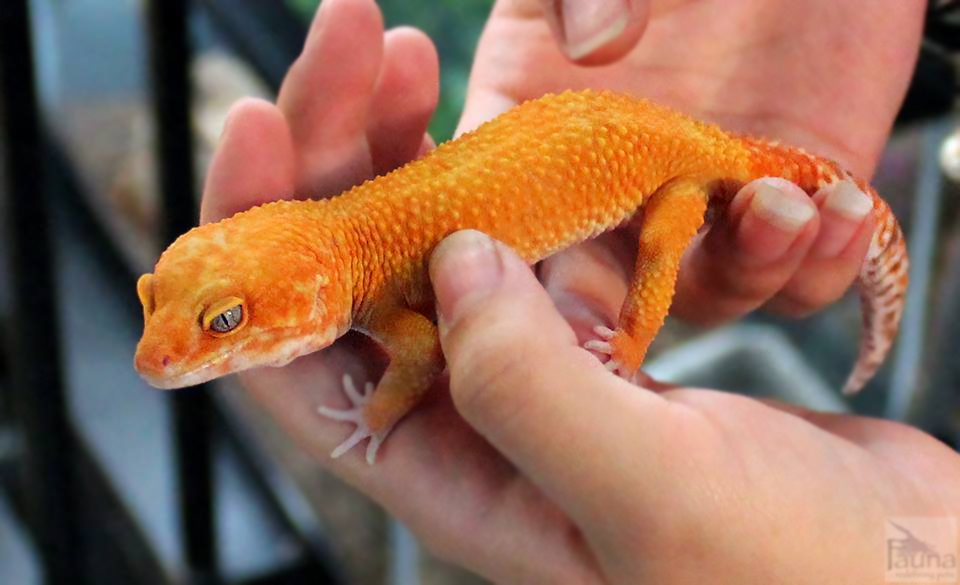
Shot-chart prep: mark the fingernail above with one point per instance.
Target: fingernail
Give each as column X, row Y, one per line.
column 464, row 268
column 773, row 222
column 590, row 24
column 849, row 201
column 779, row 209
column 845, row 207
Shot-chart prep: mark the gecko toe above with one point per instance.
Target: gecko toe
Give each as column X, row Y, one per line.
column 376, row 439
column 613, row 366
column 599, row 346
column 350, row 390
column 349, row 415
column 354, row 415
column 604, row 346
column 359, row 434
column 604, row 332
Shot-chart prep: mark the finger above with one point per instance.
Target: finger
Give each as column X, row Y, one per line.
column 253, row 164
column 518, row 376
column 749, row 254
column 326, row 95
column 482, row 105
column 846, row 226
column 597, row 32
column 426, row 145
column 404, row 100
column 485, row 102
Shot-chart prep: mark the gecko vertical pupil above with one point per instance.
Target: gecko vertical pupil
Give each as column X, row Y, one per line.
column 228, row 320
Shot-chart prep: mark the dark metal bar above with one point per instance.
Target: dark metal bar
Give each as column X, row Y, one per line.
column 170, row 64
column 281, row 497
column 50, row 480
column 294, row 573
column 116, row 551
column 5, row 415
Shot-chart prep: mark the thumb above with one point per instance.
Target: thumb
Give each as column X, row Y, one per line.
column 597, row 32
column 519, row 378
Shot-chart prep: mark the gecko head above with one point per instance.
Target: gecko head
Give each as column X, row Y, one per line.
column 225, row 297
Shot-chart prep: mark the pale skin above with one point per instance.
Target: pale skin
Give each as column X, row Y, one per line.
column 669, row 485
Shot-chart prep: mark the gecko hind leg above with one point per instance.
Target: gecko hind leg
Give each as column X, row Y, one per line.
column 354, row 414
column 670, row 220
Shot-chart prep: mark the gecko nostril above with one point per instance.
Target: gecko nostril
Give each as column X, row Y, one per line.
column 165, row 361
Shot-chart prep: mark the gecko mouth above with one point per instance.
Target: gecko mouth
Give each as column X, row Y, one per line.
column 199, row 376
column 235, row 360
column 231, row 360
column 193, row 376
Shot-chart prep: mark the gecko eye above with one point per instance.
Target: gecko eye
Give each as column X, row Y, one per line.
column 228, row 320
column 225, row 316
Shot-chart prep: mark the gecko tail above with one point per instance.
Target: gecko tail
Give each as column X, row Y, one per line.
column 883, row 288
column 883, row 275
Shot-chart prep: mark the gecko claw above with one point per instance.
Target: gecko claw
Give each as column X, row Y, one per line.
column 598, row 346
column 603, row 344
column 604, row 332
column 605, row 347
column 354, row 414
column 613, row 366
column 358, row 435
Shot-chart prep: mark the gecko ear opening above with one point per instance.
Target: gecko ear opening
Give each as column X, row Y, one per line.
column 145, row 292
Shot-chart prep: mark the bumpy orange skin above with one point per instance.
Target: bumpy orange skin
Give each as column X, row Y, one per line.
column 541, row 177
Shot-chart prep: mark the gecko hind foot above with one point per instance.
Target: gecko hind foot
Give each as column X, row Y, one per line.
column 604, row 345
column 354, row 414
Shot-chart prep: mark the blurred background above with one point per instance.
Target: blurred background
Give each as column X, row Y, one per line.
column 109, row 111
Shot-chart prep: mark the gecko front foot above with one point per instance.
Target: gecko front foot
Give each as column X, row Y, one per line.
column 608, row 345
column 355, row 415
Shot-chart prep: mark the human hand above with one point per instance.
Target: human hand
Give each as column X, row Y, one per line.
column 823, row 75
column 620, row 484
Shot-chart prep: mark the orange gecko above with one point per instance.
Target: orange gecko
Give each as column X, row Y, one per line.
column 288, row 278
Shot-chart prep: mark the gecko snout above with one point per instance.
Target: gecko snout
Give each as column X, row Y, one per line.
column 153, row 362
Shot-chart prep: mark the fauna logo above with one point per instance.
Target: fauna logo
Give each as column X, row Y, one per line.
column 921, row 550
